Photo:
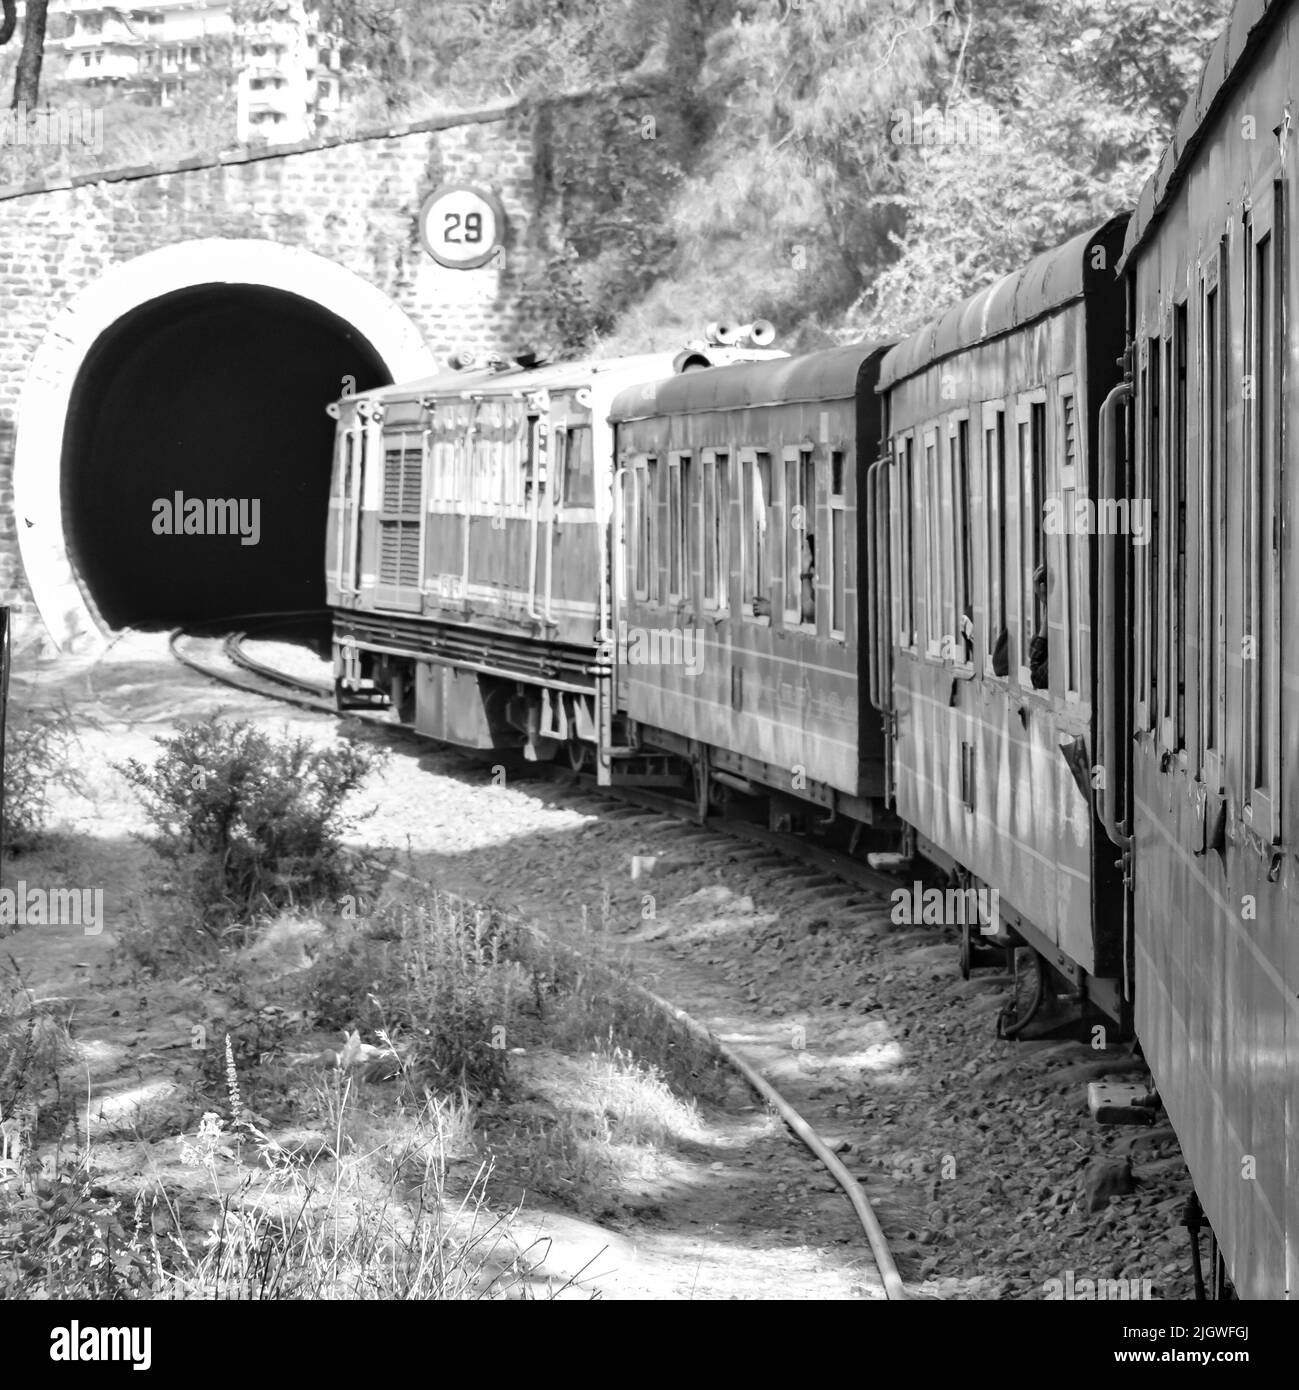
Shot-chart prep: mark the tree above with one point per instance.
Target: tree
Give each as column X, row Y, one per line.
column 28, row 78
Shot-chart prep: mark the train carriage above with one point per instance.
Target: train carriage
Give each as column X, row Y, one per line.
column 990, row 687
column 468, row 551
column 1209, row 737
column 739, row 616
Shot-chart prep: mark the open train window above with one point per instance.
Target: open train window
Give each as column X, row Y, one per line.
column 1260, row 587
column 809, row 570
column 798, row 537
column 1154, row 551
column 905, row 581
column 715, row 514
column 755, row 468
column 645, row 527
column 579, row 467
column 959, row 613
column 837, row 559
column 994, row 492
column 678, row 508
column 930, row 504
column 1212, row 598
column 1177, row 523
column 1073, row 486
column 1167, row 539
column 1034, row 614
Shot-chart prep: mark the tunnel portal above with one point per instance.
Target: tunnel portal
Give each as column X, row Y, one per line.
column 216, row 393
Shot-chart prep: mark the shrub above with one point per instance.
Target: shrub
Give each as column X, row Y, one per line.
column 252, row 824
column 38, row 758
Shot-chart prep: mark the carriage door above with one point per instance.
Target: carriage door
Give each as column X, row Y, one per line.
column 401, row 507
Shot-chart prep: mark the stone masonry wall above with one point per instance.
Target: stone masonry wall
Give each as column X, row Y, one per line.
column 354, row 202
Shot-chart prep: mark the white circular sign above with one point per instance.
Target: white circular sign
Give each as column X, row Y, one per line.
column 461, row 227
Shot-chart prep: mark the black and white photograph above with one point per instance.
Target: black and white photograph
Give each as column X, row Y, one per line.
column 644, row 657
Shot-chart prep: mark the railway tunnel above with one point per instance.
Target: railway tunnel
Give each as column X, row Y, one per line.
column 209, row 393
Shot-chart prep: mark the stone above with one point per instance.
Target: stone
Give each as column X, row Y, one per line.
column 1105, row 1178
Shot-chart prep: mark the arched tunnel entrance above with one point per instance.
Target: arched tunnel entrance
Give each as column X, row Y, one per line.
column 214, row 393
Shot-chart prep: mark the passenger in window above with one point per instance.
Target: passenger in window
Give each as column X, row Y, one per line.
column 1001, row 654
column 967, row 633
column 808, row 574
column 1038, row 664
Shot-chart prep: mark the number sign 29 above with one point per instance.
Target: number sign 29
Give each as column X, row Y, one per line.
column 461, row 227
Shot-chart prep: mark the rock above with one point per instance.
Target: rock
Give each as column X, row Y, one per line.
column 1105, row 1178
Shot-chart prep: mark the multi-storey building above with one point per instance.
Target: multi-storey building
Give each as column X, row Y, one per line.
column 285, row 72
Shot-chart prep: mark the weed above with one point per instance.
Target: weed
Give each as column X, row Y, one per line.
column 251, row 824
column 38, row 759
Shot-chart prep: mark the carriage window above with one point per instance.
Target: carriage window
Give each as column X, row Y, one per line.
column 809, row 570
column 756, row 500
column 1177, row 496
column 1071, row 487
column 1155, row 549
column 930, row 505
column 994, row 458
column 1212, row 602
column 1033, row 612
column 678, row 504
column 906, row 586
column 799, row 564
column 838, row 556
column 1261, row 521
column 1167, row 543
column 961, row 590
column 579, row 468
column 640, row 529
column 716, row 499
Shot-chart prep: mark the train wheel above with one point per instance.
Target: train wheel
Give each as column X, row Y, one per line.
column 1029, row 991
column 967, row 948
column 579, row 754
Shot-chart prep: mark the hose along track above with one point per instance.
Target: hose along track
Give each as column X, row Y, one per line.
column 311, row 695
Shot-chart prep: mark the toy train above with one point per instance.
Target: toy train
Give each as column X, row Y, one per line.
column 1008, row 594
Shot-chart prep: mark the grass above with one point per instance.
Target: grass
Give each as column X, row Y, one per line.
column 384, row 1090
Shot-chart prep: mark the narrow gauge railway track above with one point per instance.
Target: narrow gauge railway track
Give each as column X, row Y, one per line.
column 258, row 678
column 212, row 655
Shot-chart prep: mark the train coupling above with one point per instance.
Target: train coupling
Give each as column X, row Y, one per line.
column 1117, row 1103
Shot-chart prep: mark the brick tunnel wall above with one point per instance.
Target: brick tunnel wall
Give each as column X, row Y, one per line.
column 354, row 202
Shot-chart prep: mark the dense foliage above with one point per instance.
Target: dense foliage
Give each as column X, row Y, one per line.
column 839, row 166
